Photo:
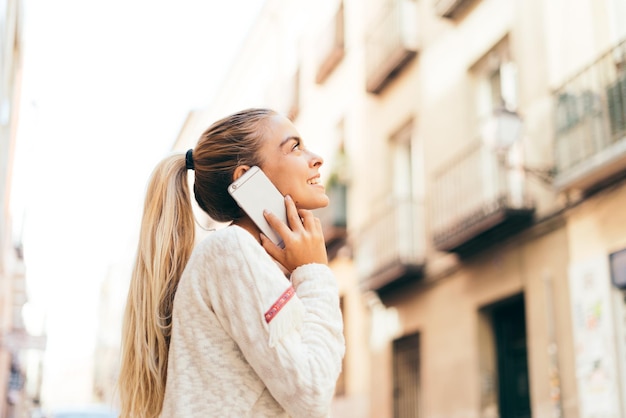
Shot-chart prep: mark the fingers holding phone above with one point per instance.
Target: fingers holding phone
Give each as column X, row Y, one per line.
column 293, row 237
column 303, row 238
column 255, row 193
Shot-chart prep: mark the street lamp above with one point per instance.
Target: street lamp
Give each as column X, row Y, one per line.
column 501, row 132
column 502, row 129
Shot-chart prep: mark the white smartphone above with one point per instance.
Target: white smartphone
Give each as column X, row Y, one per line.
column 254, row 192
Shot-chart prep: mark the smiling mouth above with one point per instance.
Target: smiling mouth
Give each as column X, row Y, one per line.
column 314, row 181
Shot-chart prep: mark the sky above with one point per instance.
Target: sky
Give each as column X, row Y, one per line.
column 106, row 88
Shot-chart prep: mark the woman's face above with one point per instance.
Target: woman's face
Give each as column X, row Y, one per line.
column 293, row 169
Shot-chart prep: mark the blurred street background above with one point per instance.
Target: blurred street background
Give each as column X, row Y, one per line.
column 475, row 157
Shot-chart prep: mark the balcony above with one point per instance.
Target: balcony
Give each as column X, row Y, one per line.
column 451, row 8
column 331, row 47
column 334, row 219
column 391, row 44
column 477, row 201
column 590, row 124
column 390, row 250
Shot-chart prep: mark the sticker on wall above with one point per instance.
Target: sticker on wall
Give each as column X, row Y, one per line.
column 593, row 333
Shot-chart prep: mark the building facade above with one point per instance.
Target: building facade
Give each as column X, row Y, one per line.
column 475, row 154
column 13, row 336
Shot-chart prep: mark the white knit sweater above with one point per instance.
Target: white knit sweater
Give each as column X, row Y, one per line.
column 247, row 341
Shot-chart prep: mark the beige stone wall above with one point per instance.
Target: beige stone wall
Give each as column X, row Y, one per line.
column 597, row 228
column 456, row 354
column 598, row 225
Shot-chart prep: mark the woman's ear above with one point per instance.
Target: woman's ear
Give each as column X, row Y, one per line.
column 239, row 171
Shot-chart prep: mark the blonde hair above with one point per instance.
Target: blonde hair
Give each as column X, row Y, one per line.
column 165, row 244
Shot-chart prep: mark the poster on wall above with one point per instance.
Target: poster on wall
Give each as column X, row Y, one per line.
column 593, row 332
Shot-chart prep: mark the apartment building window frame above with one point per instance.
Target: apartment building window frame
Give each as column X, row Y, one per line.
column 390, row 248
column 496, row 81
column 401, row 164
column 497, row 91
column 500, row 205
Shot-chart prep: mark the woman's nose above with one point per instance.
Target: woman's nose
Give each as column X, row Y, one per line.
column 315, row 160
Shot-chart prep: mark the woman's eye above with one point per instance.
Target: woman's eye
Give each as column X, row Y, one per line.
column 296, row 146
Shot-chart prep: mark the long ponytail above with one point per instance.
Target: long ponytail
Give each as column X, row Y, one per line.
column 165, row 244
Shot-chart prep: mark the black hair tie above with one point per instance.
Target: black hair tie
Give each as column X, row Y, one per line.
column 189, row 160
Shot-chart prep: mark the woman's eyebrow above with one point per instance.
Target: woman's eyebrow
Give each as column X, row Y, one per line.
column 289, row 138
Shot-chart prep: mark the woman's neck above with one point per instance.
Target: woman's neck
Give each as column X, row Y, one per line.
column 247, row 224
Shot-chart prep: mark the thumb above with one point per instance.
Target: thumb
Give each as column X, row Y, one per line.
column 272, row 249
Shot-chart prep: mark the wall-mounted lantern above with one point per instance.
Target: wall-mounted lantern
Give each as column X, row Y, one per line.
column 501, row 132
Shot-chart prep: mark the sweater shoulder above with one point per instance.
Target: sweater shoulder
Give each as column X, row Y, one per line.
column 231, row 236
column 228, row 243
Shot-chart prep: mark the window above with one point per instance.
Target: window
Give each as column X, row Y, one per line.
column 401, row 162
column 339, row 178
column 495, row 77
column 496, row 81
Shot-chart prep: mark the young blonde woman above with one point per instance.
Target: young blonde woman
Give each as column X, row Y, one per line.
column 219, row 328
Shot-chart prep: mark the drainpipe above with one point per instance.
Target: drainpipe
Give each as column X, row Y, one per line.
column 553, row 355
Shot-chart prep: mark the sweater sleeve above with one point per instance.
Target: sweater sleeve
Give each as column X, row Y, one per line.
column 291, row 333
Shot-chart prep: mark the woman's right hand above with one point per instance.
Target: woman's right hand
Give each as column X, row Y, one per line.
column 303, row 238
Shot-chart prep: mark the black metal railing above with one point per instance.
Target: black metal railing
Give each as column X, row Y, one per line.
column 590, row 111
column 470, row 191
column 331, row 46
column 393, row 241
column 335, row 214
column 391, row 43
column 334, row 218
